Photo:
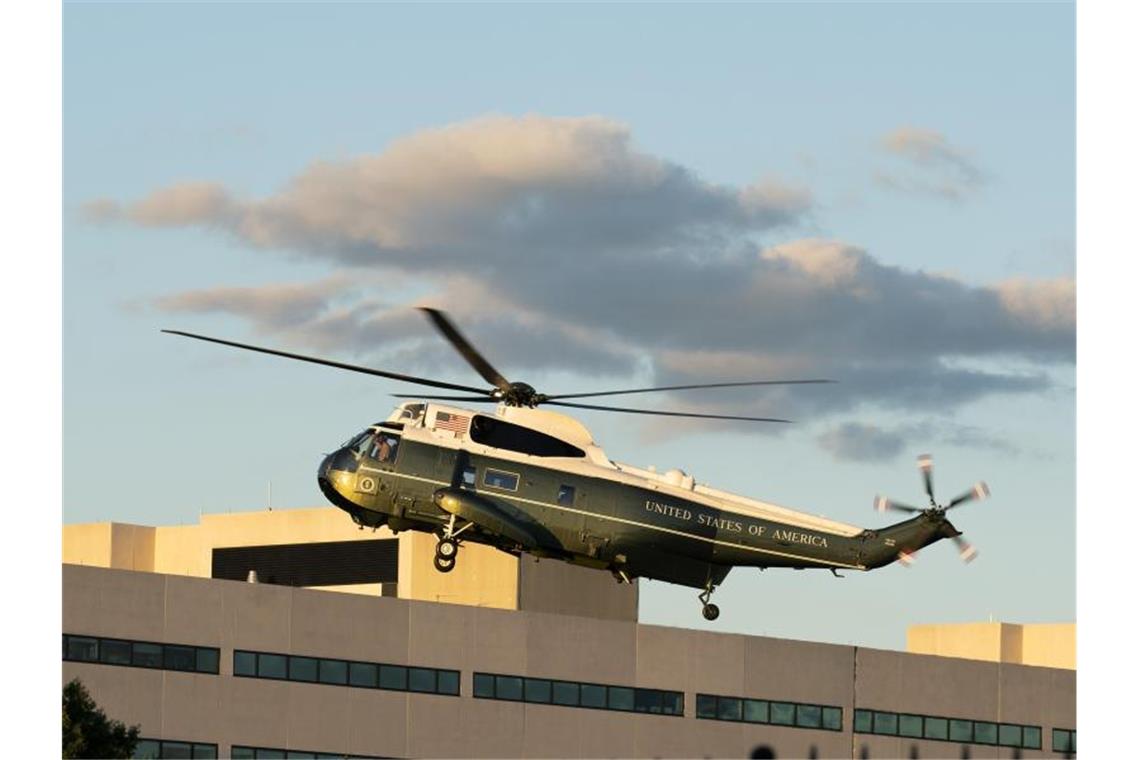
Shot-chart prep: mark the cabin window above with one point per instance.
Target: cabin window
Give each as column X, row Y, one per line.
column 469, row 476
column 508, row 481
column 506, row 435
column 566, row 495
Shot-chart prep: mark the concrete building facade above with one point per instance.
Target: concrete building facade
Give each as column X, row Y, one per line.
column 488, row 680
column 504, row 657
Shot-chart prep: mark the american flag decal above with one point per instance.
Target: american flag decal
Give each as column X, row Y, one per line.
column 456, row 423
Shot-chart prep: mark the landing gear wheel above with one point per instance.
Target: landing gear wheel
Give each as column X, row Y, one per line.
column 444, row 564
column 446, row 549
column 710, row 611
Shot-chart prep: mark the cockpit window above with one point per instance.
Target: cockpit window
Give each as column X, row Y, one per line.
column 383, row 447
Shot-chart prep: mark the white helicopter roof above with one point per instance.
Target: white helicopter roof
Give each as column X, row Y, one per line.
column 449, row 426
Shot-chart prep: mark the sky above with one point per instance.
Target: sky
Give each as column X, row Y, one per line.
column 602, row 197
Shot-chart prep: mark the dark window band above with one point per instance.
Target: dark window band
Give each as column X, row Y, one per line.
column 140, row 654
column 551, row 691
column 363, row 675
column 273, row 753
column 957, row 730
column 774, row 712
column 162, row 748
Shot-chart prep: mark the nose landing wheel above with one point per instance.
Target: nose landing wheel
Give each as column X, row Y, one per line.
column 444, row 564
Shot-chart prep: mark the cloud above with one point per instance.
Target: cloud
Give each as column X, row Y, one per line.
column 934, row 165
column 487, row 191
column 559, row 245
column 857, row 442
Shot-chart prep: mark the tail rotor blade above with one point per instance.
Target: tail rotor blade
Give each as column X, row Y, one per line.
column 979, row 492
column 883, row 505
column 965, row 550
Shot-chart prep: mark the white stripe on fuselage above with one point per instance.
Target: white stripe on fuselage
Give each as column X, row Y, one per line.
column 660, row 528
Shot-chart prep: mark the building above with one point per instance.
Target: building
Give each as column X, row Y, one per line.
column 210, row 666
column 1049, row 645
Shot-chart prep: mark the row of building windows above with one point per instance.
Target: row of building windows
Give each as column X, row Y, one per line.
column 140, row 654
column 574, row 694
column 947, row 729
column 365, row 675
column 827, row 717
column 1064, row 740
column 268, row 753
column 152, row 749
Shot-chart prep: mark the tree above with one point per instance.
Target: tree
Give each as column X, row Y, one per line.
column 88, row 732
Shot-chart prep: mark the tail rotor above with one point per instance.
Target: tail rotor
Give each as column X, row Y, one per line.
column 935, row 511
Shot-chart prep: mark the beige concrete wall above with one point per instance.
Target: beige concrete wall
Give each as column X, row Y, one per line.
column 1048, row 645
column 483, row 577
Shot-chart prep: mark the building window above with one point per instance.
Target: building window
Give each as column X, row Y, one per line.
column 164, row 748
column 572, row 694
column 936, row 728
column 827, row 717
column 946, row 729
column 536, row 690
column 364, row 675
column 1009, row 736
column 985, row 732
column 756, row 710
column 910, row 725
column 886, row 723
column 140, row 654
column 1064, row 740
column 302, row 669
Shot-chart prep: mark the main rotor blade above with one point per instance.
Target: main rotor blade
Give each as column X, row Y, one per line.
column 486, row 399
column 926, row 465
column 688, row 387
column 883, row 505
column 329, row 363
column 665, row 414
column 978, row 492
column 461, row 344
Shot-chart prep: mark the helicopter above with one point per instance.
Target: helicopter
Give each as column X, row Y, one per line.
column 530, row 481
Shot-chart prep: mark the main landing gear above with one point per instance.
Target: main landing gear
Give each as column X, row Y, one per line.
column 708, row 609
column 447, row 547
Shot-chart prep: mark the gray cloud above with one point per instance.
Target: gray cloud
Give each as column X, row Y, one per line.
column 934, row 166
column 558, row 245
column 858, row 442
column 861, row 443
